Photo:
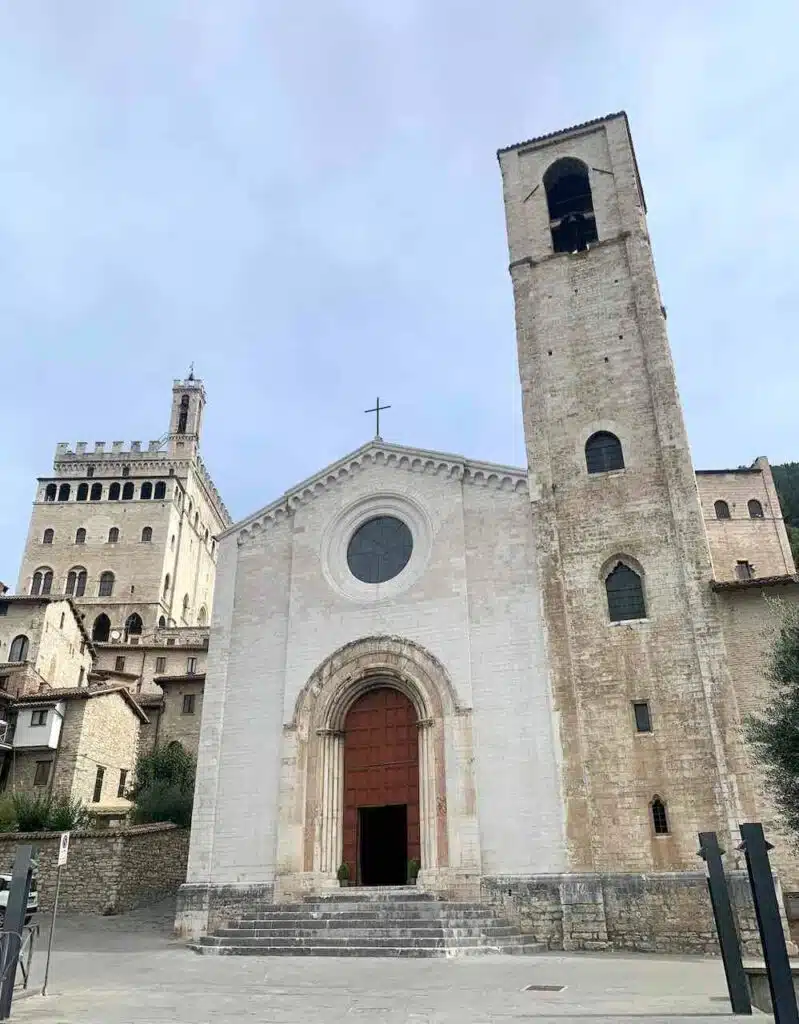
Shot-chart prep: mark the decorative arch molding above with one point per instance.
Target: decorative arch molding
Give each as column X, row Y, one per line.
column 312, row 781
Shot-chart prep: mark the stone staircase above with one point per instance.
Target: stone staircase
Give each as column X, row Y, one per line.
column 368, row 922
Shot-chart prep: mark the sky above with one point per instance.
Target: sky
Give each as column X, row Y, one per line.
column 303, row 199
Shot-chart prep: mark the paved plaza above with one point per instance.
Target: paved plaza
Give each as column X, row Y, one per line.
column 128, row 970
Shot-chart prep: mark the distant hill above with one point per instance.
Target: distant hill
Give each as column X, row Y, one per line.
column 786, row 480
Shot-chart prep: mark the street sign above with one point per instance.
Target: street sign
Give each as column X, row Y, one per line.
column 63, row 849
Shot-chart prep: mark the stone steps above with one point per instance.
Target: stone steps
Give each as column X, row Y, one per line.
column 368, row 922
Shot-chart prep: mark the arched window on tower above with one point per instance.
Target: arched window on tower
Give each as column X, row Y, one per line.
column 97, row 491
column 19, row 648
column 50, row 492
column 83, row 492
column 42, row 582
column 101, row 628
column 127, row 491
column 167, row 583
column 80, row 536
column 147, row 535
column 146, row 490
column 183, row 415
column 603, row 453
column 48, row 535
column 106, row 588
column 625, row 593
column 755, row 509
column 113, row 535
column 90, row 471
column 76, row 581
column 161, row 622
column 133, row 625
column 660, row 820
column 722, row 509
column 571, row 208
column 185, row 607
column 63, row 492
column 160, row 490
column 113, row 492
column 202, row 616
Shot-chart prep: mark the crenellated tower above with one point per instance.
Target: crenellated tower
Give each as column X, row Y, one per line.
column 128, row 531
column 635, row 648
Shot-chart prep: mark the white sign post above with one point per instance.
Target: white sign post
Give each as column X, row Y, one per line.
column 63, row 852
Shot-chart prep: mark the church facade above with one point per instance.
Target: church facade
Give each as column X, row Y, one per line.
column 489, row 674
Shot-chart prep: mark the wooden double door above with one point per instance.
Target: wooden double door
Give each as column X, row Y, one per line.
column 381, row 788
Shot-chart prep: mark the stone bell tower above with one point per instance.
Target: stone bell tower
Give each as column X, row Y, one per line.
column 636, row 653
column 185, row 423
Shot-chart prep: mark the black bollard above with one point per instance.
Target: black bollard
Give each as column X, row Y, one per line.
column 769, row 923
column 711, row 853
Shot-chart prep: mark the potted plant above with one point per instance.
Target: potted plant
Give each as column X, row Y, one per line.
column 414, row 867
column 343, row 875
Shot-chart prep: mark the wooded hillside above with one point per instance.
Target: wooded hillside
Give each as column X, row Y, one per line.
column 786, row 480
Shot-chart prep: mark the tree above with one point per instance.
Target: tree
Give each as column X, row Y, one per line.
column 786, row 480
column 774, row 733
column 164, row 786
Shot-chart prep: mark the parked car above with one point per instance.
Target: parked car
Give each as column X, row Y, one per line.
column 33, row 898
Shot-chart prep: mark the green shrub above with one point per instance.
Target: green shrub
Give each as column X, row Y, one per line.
column 8, row 816
column 32, row 812
column 163, row 801
column 170, row 764
column 66, row 815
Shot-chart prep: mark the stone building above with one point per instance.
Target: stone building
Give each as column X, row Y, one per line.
column 529, row 679
column 128, row 533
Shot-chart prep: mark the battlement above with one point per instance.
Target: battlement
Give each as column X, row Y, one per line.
column 216, row 495
column 81, row 450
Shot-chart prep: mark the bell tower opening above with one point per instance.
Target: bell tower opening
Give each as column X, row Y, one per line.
column 185, row 422
column 381, row 788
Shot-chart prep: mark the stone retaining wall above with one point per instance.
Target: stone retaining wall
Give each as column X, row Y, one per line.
column 664, row 912
column 108, row 871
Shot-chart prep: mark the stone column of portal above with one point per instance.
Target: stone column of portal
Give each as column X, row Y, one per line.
column 428, row 825
column 331, row 751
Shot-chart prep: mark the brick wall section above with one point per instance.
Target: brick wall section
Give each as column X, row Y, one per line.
column 116, row 870
column 761, row 542
column 664, row 912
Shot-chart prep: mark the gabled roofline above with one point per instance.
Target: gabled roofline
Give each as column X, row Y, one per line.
column 458, row 463
column 55, row 696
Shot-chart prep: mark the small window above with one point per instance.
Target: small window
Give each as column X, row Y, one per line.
column 147, row 535
column 160, row 489
column 625, row 594
column 83, row 492
column 571, row 210
column 185, row 607
column 36, row 583
column 722, row 509
column 19, row 649
column 161, row 622
column 202, row 617
column 90, row 471
column 48, row 536
column 744, row 571
column 113, row 492
column 81, row 673
column 755, row 509
column 106, row 588
column 50, row 492
column 170, row 641
column 47, row 581
column 97, row 492
column 76, row 582
column 659, row 818
column 146, row 490
column 160, row 665
column 127, row 491
column 98, row 784
column 39, row 717
column 63, row 492
column 133, row 624
column 113, row 535
column 126, row 471
column 188, row 703
column 123, row 780
column 101, row 628
column 191, row 666
column 603, row 453
column 119, row 664
column 63, row 617
column 643, row 720
column 167, row 582
column 80, row 536
column 42, row 774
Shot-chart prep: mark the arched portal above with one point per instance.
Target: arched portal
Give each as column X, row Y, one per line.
column 381, row 787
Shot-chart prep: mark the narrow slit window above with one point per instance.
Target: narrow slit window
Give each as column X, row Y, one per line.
column 660, row 819
column 643, row 719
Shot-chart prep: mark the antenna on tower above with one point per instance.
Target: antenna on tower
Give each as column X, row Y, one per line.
column 191, row 371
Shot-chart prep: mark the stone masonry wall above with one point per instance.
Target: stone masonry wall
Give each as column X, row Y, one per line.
column 664, row 912
column 109, row 870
